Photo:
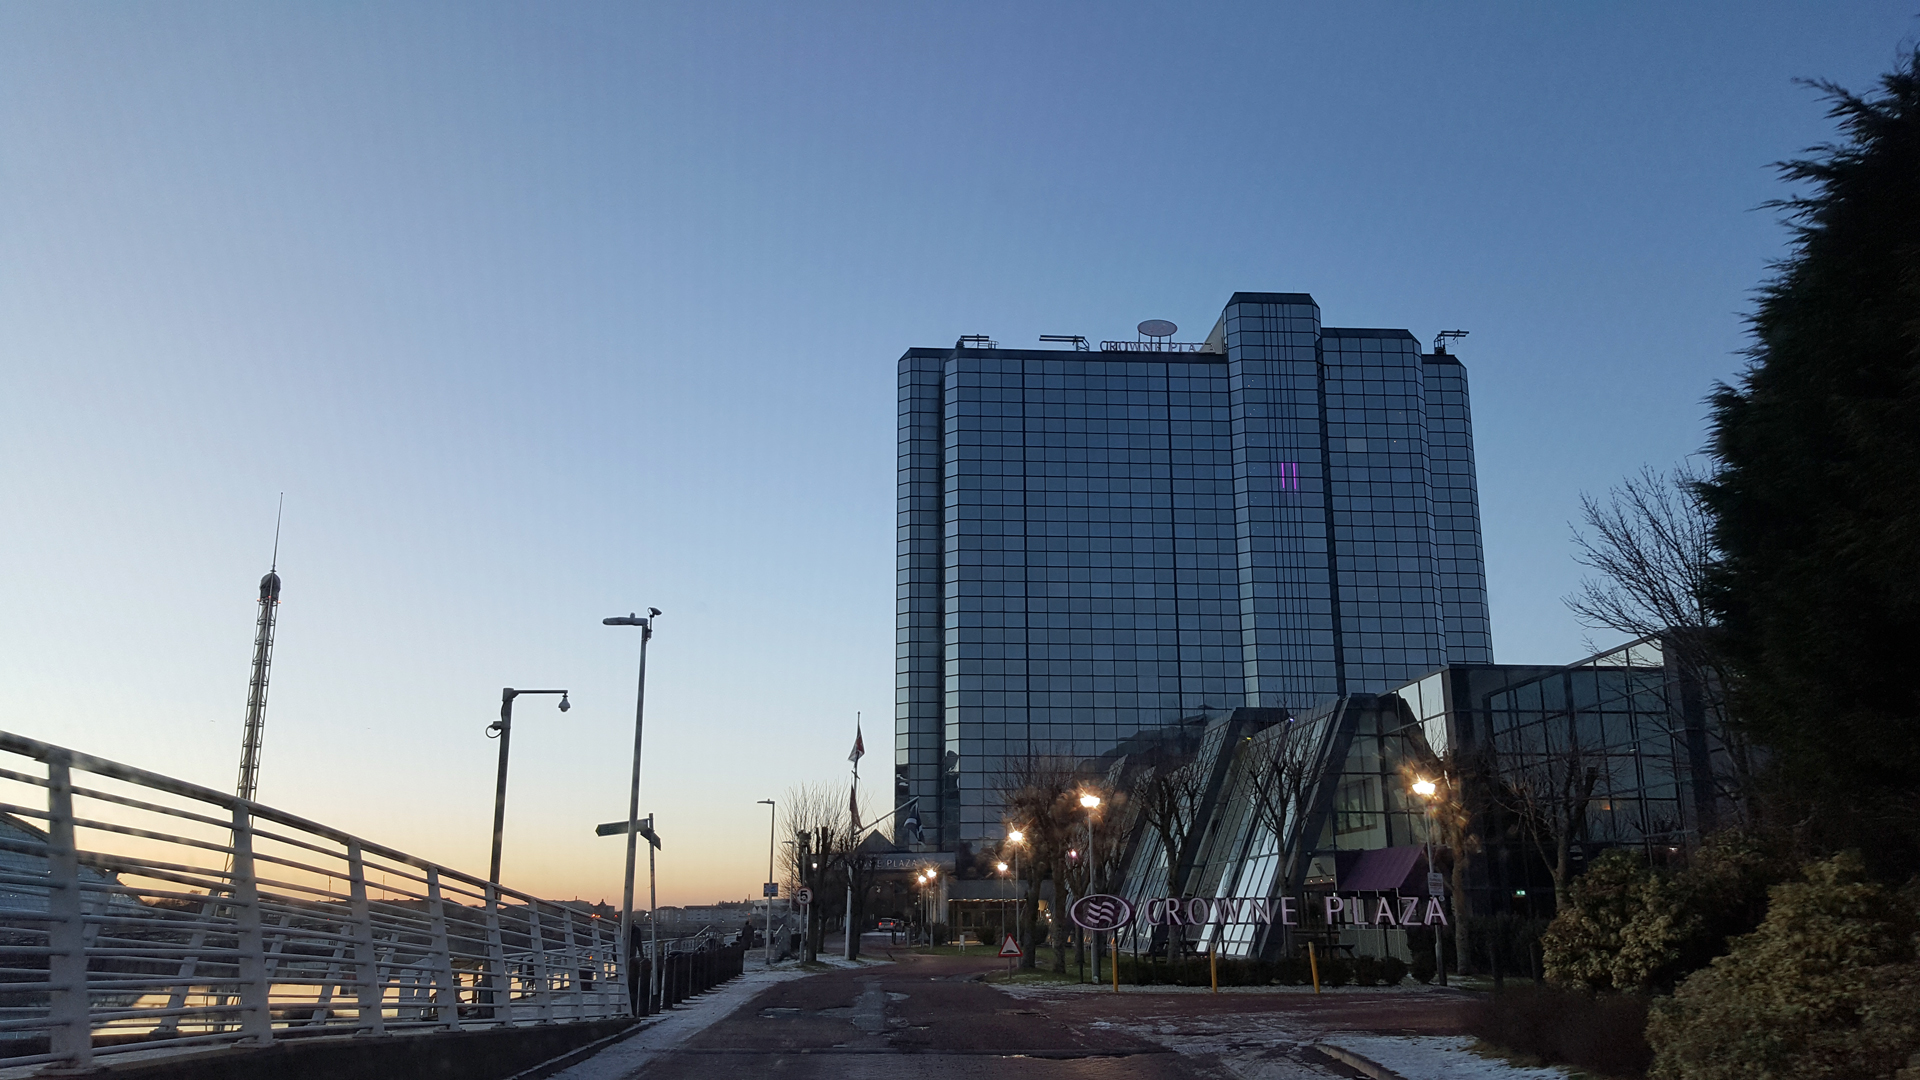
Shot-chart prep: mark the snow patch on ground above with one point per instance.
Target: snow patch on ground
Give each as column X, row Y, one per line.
column 1437, row 1057
column 668, row 1030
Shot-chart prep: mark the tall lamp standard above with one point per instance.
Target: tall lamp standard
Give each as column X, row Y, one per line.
column 1429, row 791
column 1002, row 867
column 633, row 798
column 502, row 729
column 771, row 886
column 1016, row 838
column 1091, row 803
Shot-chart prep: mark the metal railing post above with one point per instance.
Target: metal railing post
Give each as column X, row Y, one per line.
column 446, row 994
column 542, row 974
column 600, row 973
column 497, row 976
column 366, row 962
column 70, row 1031
column 256, row 1020
column 575, row 961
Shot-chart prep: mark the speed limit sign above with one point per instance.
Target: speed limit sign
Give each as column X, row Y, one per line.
column 803, row 894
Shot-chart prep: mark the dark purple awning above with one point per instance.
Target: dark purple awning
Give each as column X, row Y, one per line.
column 1381, row 870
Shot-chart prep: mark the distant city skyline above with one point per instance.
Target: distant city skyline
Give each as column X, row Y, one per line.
column 544, row 315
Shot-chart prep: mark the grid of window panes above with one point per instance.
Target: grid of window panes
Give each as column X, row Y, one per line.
column 1391, row 627
column 1610, row 714
column 1288, row 653
column 1373, row 805
column 1090, row 584
column 918, row 737
column 1456, row 514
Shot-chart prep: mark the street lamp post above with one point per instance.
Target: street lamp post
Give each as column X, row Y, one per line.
column 1016, row 838
column 633, row 798
column 1429, row 791
column 502, row 729
column 1002, row 867
column 1091, row 802
column 771, row 886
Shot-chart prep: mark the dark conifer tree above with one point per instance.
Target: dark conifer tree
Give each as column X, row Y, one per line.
column 1817, row 497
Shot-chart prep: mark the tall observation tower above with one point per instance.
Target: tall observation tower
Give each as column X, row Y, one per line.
column 262, row 665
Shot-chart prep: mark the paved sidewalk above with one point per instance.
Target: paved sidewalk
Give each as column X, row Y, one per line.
column 666, row 1031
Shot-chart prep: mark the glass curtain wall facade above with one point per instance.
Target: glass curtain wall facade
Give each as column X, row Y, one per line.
column 1092, row 544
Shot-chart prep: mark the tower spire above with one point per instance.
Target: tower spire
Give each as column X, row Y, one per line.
column 262, row 665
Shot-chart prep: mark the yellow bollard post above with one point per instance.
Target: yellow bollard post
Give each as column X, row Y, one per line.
column 1213, row 964
column 1313, row 964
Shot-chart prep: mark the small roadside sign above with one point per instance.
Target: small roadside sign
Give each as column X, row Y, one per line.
column 1010, row 947
column 770, row 889
column 1436, row 884
column 803, row 894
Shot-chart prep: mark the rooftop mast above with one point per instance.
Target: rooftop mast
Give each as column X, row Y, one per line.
column 262, row 663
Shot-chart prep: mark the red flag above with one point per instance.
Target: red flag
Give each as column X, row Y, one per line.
column 859, row 746
column 853, row 806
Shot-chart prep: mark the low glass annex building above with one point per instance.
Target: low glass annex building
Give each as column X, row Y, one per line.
column 1094, row 543
column 1620, row 749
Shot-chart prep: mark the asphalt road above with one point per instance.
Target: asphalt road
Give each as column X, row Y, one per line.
column 929, row 1018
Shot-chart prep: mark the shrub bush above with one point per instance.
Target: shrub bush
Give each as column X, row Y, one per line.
column 1826, row 989
column 1393, row 970
column 1629, row 926
column 1568, row 1025
column 1335, row 971
column 1622, row 925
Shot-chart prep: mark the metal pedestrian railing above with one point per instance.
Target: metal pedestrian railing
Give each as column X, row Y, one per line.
column 139, row 913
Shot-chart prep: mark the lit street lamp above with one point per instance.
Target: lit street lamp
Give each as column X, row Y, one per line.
column 502, row 729
column 1091, row 802
column 1430, row 791
column 633, row 799
column 1015, row 837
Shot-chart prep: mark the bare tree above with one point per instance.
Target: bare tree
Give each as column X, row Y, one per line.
column 1453, row 775
column 1167, row 796
column 1036, row 789
column 1276, row 764
column 1651, row 544
column 1549, row 788
column 817, row 820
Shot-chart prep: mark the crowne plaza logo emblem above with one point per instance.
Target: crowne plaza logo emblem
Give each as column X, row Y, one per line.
column 1099, row 913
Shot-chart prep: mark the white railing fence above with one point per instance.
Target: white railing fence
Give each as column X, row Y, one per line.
column 139, row 912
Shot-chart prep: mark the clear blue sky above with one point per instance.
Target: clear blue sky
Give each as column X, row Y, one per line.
column 540, row 313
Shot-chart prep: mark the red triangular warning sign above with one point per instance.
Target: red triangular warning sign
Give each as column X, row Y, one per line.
column 1010, row 947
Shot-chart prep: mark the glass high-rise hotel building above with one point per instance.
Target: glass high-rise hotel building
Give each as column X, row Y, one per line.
column 1093, row 543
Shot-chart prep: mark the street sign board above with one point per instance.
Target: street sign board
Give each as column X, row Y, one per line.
column 1436, row 884
column 1010, row 947
column 770, row 889
column 803, row 894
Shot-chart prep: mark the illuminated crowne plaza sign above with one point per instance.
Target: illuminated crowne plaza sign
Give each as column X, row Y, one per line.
column 1101, row 912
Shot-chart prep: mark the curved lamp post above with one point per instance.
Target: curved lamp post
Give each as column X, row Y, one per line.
column 502, row 729
column 633, row 799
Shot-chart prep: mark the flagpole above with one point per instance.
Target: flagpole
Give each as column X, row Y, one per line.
column 853, row 833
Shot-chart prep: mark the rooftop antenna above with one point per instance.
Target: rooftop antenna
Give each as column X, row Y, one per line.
column 262, row 663
column 1440, row 339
